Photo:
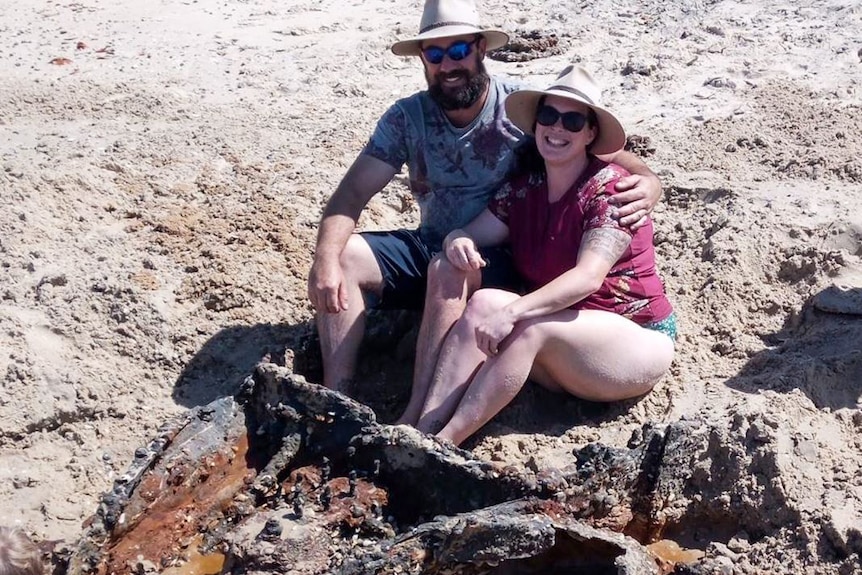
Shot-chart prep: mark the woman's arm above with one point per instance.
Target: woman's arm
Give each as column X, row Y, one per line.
column 600, row 250
column 461, row 246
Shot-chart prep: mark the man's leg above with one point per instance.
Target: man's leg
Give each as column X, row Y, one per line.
column 341, row 333
column 446, row 297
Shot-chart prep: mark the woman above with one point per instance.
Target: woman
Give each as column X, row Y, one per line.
column 594, row 321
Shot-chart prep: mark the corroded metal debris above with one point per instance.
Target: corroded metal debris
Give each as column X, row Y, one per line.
column 291, row 477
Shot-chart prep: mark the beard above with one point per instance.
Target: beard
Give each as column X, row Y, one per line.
column 459, row 98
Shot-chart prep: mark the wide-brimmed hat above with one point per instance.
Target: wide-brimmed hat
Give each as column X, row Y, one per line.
column 446, row 18
column 574, row 83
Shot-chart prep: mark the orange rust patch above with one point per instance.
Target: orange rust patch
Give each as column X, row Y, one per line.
column 186, row 498
column 197, row 563
column 668, row 554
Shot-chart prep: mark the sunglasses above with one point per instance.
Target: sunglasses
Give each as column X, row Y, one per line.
column 572, row 121
column 457, row 51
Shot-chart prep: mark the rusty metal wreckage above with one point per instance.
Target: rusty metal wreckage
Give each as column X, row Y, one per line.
column 288, row 476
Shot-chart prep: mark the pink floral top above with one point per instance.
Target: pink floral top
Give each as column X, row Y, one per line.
column 546, row 238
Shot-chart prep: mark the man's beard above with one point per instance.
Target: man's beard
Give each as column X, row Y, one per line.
column 463, row 97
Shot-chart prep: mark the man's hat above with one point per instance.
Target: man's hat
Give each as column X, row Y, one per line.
column 447, row 18
column 574, row 83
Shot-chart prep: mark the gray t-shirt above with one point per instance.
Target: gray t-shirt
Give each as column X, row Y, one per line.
column 453, row 171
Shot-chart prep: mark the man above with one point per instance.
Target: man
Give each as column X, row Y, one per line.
column 459, row 146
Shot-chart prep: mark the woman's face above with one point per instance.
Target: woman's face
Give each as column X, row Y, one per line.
column 562, row 132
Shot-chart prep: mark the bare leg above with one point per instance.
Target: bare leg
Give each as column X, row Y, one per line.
column 445, row 300
column 579, row 351
column 460, row 358
column 341, row 333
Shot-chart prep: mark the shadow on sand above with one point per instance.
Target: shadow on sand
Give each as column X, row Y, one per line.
column 384, row 373
column 818, row 352
column 227, row 358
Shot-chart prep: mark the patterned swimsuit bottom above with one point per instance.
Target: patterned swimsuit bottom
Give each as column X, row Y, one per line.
column 667, row 326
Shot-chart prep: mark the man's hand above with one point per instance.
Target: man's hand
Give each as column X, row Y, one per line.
column 326, row 288
column 637, row 198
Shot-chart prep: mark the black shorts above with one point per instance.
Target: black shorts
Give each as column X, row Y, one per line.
column 403, row 258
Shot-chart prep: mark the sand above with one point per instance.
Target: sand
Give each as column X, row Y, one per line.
column 163, row 167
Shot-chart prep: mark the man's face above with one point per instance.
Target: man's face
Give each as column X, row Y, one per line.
column 454, row 83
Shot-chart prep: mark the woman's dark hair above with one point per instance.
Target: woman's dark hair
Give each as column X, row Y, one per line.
column 528, row 160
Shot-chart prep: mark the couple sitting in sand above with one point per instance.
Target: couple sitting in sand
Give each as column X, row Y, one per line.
column 534, row 256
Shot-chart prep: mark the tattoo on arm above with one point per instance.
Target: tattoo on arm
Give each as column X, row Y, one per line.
column 607, row 243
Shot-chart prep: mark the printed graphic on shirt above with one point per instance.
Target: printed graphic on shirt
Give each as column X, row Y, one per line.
column 452, row 171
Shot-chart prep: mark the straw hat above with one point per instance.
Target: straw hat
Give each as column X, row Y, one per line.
column 574, row 83
column 447, row 18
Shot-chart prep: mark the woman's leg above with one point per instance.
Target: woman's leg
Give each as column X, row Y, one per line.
column 595, row 355
column 495, row 384
column 459, row 359
column 602, row 356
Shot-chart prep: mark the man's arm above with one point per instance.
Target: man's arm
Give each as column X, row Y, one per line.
column 365, row 178
column 639, row 193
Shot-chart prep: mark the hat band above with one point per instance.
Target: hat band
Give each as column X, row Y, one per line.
column 442, row 24
column 575, row 92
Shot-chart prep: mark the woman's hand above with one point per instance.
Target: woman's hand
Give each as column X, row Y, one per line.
column 461, row 251
column 491, row 332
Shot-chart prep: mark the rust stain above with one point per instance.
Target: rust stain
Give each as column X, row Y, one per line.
column 184, row 499
column 668, row 554
column 198, row 563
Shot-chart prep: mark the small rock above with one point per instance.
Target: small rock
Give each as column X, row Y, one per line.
column 723, row 566
column 722, row 550
column 739, row 542
column 271, row 530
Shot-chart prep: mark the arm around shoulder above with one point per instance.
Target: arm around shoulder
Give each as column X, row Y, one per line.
column 638, row 193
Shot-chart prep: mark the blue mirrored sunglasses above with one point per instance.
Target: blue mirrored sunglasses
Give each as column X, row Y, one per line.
column 457, row 51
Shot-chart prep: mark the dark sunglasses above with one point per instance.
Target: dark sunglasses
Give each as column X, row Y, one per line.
column 457, row 51
column 572, row 121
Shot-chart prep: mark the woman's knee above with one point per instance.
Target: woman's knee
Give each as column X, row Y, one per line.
column 484, row 302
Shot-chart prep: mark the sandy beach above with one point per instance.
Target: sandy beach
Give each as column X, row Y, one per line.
column 163, row 167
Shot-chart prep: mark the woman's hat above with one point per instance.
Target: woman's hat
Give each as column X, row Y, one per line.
column 447, row 18
column 574, row 83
